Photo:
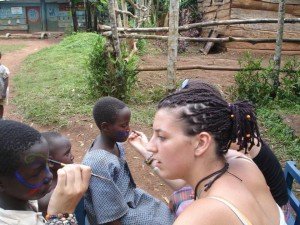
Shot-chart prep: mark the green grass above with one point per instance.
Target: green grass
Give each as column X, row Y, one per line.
column 51, row 85
column 280, row 135
column 10, row 48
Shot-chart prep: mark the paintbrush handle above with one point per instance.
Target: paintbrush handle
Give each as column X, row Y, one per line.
column 98, row 176
column 63, row 164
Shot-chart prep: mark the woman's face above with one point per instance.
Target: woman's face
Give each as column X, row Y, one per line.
column 171, row 147
column 32, row 180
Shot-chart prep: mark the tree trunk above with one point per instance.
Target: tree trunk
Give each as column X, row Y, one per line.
column 95, row 14
column 114, row 28
column 172, row 43
column 74, row 17
column 278, row 48
column 125, row 17
column 89, row 16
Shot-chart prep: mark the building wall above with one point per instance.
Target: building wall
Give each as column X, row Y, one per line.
column 214, row 10
column 13, row 16
column 19, row 16
column 253, row 9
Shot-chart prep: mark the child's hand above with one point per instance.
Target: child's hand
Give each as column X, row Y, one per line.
column 72, row 183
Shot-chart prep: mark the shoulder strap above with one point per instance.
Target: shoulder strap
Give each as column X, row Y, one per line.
column 242, row 157
column 237, row 212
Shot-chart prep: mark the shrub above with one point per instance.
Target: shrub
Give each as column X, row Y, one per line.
column 290, row 82
column 108, row 76
column 255, row 82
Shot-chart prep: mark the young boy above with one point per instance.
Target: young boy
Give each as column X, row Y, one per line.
column 4, row 72
column 25, row 176
column 59, row 150
column 116, row 200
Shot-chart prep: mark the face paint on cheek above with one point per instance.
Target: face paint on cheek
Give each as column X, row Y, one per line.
column 122, row 135
column 21, row 179
column 32, row 192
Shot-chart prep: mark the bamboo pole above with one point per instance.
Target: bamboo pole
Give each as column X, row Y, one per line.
column 278, row 48
column 125, row 13
column 202, row 67
column 119, row 20
column 114, row 31
column 172, row 44
column 204, row 24
column 215, row 40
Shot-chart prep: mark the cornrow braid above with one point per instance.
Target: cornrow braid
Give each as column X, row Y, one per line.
column 204, row 109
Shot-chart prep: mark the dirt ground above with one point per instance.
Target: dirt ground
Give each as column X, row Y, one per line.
column 81, row 129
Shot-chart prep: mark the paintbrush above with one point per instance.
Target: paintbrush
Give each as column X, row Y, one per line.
column 63, row 164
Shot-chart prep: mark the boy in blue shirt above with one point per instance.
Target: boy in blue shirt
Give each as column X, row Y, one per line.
column 116, row 200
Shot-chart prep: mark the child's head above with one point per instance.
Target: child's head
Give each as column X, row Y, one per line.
column 112, row 117
column 24, row 171
column 59, row 147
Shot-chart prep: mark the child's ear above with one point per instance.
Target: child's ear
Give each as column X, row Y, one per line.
column 104, row 126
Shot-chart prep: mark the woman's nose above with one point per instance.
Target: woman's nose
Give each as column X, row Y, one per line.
column 151, row 146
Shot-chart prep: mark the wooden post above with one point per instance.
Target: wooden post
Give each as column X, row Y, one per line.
column 114, row 28
column 125, row 17
column 172, row 43
column 278, row 48
column 74, row 17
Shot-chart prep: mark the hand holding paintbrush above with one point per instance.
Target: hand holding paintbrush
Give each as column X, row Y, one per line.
column 62, row 165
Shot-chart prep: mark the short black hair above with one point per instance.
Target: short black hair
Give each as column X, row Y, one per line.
column 15, row 139
column 50, row 136
column 106, row 110
column 204, row 109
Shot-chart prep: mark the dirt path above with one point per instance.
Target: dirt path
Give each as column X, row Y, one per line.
column 13, row 61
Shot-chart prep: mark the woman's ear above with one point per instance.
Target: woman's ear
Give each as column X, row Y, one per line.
column 204, row 141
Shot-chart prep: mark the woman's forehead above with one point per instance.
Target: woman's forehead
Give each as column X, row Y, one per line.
column 166, row 118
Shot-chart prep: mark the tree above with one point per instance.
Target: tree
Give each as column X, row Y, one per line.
column 73, row 12
column 278, row 48
column 173, row 43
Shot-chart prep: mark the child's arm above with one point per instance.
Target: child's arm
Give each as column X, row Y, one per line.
column 5, row 87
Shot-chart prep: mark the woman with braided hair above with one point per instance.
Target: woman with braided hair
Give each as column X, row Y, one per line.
column 192, row 131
